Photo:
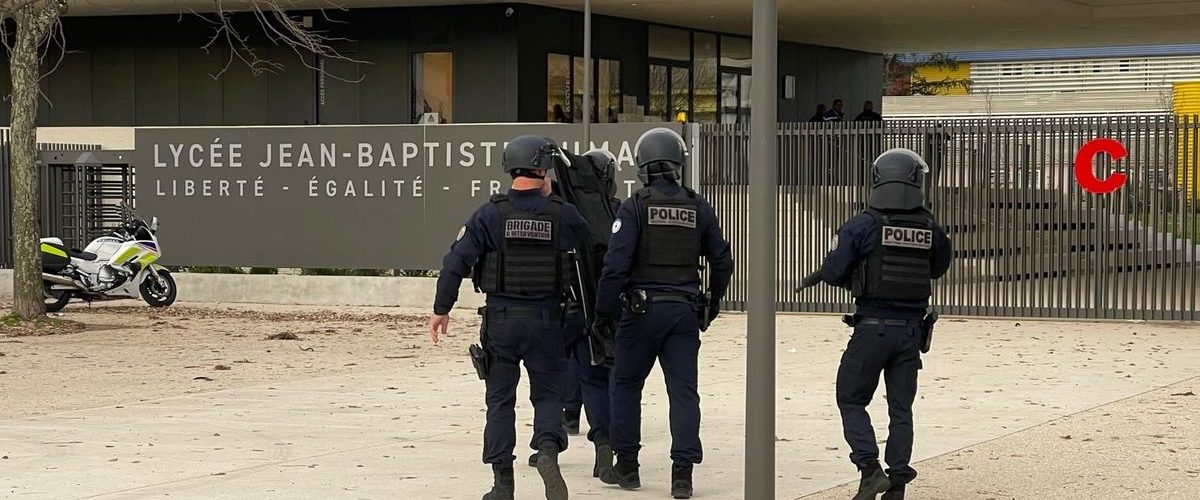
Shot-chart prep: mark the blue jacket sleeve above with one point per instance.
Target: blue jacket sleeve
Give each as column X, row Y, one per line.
column 619, row 260
column 716, row 249
column 471, row 243
column 580, row 230
column 943, row 252
column 839, row 263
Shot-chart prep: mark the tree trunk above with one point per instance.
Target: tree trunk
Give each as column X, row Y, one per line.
column 33, row 22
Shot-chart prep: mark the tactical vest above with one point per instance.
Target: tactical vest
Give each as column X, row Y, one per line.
column 669, row 245
column 899, row 267
column 527, row 262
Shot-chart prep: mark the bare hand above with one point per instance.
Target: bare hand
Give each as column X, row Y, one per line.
column 438, row 322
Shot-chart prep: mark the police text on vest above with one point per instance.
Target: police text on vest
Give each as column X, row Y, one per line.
column 672, row 216
column 907, row 237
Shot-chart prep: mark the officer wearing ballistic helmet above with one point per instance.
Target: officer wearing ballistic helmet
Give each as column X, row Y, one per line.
column 887, row 257
column 517, row 244
column 651, row 283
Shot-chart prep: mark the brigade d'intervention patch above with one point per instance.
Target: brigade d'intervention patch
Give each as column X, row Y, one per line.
column 527, row 229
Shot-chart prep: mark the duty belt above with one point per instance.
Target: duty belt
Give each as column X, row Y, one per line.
column 524, row 312
column 886, row 322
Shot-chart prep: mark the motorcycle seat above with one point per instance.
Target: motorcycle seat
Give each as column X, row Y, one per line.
column 79, row 254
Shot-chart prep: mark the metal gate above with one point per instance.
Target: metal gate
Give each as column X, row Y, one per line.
column 80, row 196
column 1028, row 241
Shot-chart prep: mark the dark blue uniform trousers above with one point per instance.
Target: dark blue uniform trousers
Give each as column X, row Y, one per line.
column 891, row 347
column 591, row 381
column 669, row 333
column 533, row 335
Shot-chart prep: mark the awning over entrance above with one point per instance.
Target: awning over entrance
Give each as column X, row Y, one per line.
column 868, row 25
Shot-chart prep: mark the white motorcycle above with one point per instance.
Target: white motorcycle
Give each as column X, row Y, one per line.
column 118, row 266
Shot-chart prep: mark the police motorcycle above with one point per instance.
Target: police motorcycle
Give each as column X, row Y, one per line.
column 119, row 265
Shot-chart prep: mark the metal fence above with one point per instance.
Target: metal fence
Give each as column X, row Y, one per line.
column 77, row 201
column 1028, row 240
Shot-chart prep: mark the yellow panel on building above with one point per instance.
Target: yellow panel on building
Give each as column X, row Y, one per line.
column 1187, row 106
column 937, row 73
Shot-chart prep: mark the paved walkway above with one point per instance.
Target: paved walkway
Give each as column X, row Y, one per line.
column 415, row 432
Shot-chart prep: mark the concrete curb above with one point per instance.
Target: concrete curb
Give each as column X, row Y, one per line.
column 303, row 290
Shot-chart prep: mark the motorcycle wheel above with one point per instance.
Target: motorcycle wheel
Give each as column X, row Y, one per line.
column 56, row 300
column 160, row 293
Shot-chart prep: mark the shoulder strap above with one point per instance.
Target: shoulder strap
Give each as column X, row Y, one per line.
column 498, row 198
column 879, row 216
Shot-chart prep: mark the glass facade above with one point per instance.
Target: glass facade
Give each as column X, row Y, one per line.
column 564, row 89
column 698, row 76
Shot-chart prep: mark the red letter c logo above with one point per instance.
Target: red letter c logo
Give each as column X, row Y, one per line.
column 1085, row 173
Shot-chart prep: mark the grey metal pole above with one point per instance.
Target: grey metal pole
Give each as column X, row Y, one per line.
column 587, row 75
column 760, row 326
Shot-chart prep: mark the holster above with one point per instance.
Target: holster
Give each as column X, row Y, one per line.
column 703, row 312
column 636, row 301
column 479, row 354
column 927, row 330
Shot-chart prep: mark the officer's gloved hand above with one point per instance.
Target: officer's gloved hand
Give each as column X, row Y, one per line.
column 714, row 310
column 604, row 326
column 811, row 280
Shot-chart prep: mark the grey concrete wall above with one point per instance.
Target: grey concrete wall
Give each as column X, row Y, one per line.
column 302, row 290
column 824, row 74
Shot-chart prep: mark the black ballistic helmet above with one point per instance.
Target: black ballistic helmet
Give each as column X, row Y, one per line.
column 660, row 152
column 528, row 153
column 606, row 165
column 898, row 179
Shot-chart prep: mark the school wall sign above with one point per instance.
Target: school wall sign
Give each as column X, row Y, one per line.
column 388, row 196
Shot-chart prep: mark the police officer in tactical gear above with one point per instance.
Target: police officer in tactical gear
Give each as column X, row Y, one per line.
column 588, row 383
column 517, row 244
column 651, row 285
column 887, row 257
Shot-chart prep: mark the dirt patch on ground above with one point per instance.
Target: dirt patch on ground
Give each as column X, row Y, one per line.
column 12, row 326
column 124, row 353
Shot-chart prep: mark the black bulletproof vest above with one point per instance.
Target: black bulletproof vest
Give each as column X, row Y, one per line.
column 669, row 245
column 527, row 262
column 898, row 268
column 582, row 185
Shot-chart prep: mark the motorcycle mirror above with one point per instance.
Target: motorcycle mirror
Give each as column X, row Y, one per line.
column 154, row 224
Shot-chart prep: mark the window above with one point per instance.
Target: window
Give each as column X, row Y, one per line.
column 608, row 91
column 704, row 78
column 729, row 98
column 564, row 89
column 735, row 97
column 680, row 95
column 558, row 87
column 735, row 52
column 433, row 85
column 660, row 87
column 735, row 79
column 670, row 44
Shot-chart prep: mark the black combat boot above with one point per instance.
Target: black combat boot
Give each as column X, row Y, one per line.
column 624, row 474
column 533, row 459
column 873, row 482
column 503, row 489
column 896, row 492
column 571, row 421
column 604, row 458
column 681, row 480
column 547, row 466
